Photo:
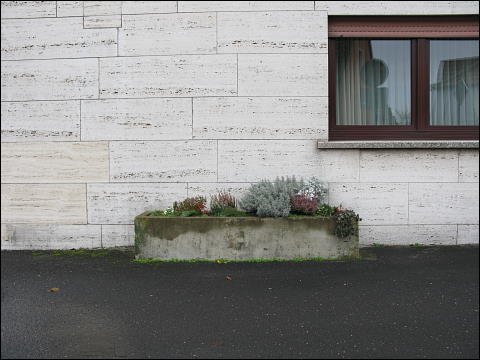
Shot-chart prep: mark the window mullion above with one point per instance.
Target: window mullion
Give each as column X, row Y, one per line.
column 422, row 89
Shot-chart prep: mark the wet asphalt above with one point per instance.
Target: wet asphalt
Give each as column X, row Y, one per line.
column 398, row 302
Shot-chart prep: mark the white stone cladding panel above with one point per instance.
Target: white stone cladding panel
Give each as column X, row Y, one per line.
column 60, row 79
column 120, row 203
column 28, row 9
column 118, row 235
column 254, row 160
column 397, row 7
column 409, row 166
column 377, row 204
column 69, row 8
column 260, row 118
column 468, row 166
column 168, row 34
column 40, row 121
column 163, row 161
column 168, row 76
column 148, row 7
column 408, row 235
column 453, row 203
column 200, row 6
column 50, row 236
column 102, row 8
column 44, row 203
column 137, row 119
column 282, row 75
column 54, row 162
column 54, row 38
column 209, row 189
column 102, row 22
column 468, row 234
column 271, row 32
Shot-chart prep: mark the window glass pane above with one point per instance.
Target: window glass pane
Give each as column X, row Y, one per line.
column 373, row 82
column 454, row 82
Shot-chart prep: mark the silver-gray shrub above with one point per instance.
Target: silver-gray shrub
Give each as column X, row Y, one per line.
column 313, row 188
column 271, row 199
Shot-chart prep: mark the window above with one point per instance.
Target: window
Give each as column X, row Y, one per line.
column 403, row 78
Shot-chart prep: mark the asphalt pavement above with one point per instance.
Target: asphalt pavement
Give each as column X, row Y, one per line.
column 398, row 302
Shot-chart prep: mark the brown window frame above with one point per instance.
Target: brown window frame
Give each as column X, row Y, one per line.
column 419, row 30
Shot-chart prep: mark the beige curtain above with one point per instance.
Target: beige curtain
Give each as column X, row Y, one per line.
column 454, row 88
column 373, row 82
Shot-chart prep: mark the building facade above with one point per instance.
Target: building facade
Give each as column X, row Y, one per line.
column 111, row 108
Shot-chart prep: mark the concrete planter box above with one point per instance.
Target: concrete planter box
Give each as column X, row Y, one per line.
column 239, row 238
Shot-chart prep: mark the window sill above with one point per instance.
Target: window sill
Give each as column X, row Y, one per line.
column 425, row 144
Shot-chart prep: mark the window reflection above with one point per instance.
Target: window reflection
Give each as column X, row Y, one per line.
column 454, row 86
column 373, row 82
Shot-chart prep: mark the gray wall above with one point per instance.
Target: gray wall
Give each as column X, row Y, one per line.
column 113, row 108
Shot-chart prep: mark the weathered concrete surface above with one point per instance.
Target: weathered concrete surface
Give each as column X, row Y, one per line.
column 239, row 238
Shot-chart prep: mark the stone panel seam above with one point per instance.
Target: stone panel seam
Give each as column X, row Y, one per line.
column 56, row 8
column 248, row 11
column 217, row 161
column 164, row 55
column 101, row 235
column 179, row 97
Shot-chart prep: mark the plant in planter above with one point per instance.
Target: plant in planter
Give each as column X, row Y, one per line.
column 346, row 223
column 224, row 204
column 271, row 199
column 286, row 218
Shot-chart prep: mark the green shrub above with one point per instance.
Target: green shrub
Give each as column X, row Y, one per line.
column 346, row 223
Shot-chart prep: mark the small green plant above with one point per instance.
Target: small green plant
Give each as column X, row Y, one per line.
column 230, row 212
column 326, row 210
column 189, row 213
